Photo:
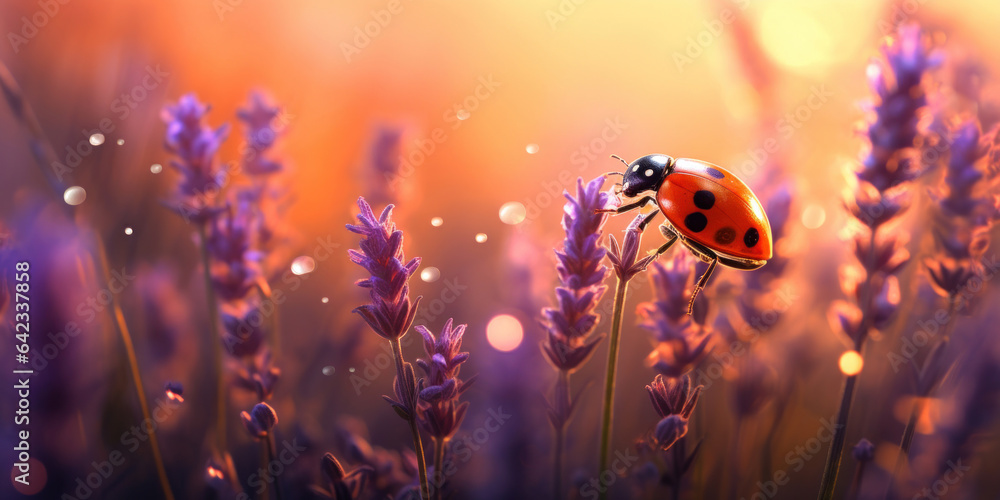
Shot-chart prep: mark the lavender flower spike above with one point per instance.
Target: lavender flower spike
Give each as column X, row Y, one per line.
column 569, row 344
column 440, row 413
column 195, row 144
column 674, row 400
column 390, row 313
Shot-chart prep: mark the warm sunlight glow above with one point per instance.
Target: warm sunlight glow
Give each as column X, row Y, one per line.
column 504, row 333
column 851, row 363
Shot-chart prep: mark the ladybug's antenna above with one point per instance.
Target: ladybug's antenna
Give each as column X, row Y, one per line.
column 619, row 158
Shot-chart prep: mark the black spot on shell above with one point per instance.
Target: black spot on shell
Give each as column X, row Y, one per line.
column 751, row 237
column 704, row 199
column 714, row 172
column 725, row 236
column 695, row 221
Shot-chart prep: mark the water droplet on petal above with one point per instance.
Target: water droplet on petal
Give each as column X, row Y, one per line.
column 481, row 238
column 96, row 139
column 303, row 265
column 430, row 274
column 512, row 213
column 74, row 195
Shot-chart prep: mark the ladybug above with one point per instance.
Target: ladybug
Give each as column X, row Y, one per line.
column 708, row 209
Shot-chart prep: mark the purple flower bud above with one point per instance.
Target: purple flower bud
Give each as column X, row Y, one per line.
column 669, row 430
column 864, row 451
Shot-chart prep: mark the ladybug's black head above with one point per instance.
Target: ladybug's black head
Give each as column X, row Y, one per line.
column 645, row 174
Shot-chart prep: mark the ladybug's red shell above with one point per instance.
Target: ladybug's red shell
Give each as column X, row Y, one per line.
column 711, row 206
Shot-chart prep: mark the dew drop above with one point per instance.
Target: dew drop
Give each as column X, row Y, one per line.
column 351, row 369
column 329, row 370
column 303, row 265
column 121, row 142
column 430, row 274
column 463, row 114
column 437, row 221
column 96, row 139
column 128, row 231
column 74, row 195
column 325, row 300
column 481, row 238
column 512, row 213
column 156, row 168
column 531, row 148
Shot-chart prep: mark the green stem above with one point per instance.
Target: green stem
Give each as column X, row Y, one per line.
column 829, row 483
column 609, row 381
column 216, row 341
column 133, row 363
column 418, row 447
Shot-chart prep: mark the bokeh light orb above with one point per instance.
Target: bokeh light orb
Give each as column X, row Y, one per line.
column 329, row 370
column 303, row 265
column 96, row 139
column 851, row 363
column 430, row 274
column 128, row 231
column 531, row 148
column 74, row 195
column 481, row 238
column 156, row 168
column 513, row 213
column 36, row 480
column 813, row 216
column 437, row 221
column 504, row 332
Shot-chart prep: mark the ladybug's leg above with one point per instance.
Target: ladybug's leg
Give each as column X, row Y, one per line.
column 666, row 246
column 649, row 218
column 625, row 208
column 703, row 281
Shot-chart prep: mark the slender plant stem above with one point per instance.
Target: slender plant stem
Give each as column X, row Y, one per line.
column 904, row 444
column 609, row 381
column 829, row 483
column 418, row 447
column 271, row 459
column 123, row 330
column 680, row 456
column 439, row 446
column 859, row 474
column 562, row 387
column 216, row 340
column 265, row 457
